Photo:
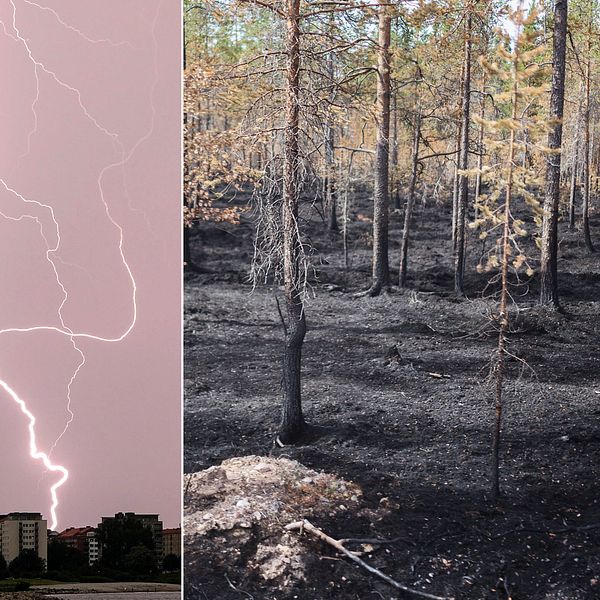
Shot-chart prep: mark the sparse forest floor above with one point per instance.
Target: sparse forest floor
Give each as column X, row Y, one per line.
column 398, row 384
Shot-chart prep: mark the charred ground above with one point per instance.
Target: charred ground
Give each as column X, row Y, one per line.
column 399, row 385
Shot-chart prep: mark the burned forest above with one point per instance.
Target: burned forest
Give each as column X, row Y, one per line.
column 392, row 299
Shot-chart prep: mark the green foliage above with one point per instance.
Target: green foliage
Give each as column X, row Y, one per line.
column 62, row 557
column 22, row 586
column 140, row 560
column 7, row 586
column 171, row 562
column 27, row 564
column 119, row 536
column 11, row 585
column 173, row 577
column 225, row 30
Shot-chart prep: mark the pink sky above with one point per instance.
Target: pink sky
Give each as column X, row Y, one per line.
column 105, row 91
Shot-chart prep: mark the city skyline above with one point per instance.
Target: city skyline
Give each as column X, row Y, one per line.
column 100, row 546
column 89, row 524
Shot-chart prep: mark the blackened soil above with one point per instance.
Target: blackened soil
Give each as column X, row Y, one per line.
column 400, row 384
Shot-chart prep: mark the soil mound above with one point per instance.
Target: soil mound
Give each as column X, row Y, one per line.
column 235, row 515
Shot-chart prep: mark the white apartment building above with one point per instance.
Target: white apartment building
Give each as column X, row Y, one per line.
column 93, row 547
column 82, row 539
column 23, row 531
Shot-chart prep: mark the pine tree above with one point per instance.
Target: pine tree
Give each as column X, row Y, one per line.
column 518, row 132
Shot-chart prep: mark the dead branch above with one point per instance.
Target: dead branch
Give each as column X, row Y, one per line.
column 306, row 525
column 376, row 541
column 365, row 150
column 230, row 583
column 281, row 315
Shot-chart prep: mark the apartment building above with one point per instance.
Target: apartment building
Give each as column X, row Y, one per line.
column 83, row 539
column 148, row 520
column 171, row 541
column 93, row 547
column 23, row 531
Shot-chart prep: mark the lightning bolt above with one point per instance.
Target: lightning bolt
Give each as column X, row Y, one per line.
column 51, row 250
column 37, row 454
column 75, row 30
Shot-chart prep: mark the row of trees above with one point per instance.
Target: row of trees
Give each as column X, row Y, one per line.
column 27, row 564
column 300, row 99
column 66, row 563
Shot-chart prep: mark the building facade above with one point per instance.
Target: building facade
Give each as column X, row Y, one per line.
column 93, row 547
column 83, row 539
column 148, row 520
column 171, row 541
column 23, row 531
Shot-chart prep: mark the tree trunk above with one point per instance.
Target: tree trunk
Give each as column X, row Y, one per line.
column 394, row 179
column 573, row 188
column 549, row 258
column 394, row 187
column 480, row 145
column 330, row 189
column 381, row 269
column 463, row 165
column 332, row 221
column 586, row 157
column 573, row 194
column 292, row 421
column 410, row 202
column 503, row 317
column 455, row 192
column 457, row 160
column 345, row 209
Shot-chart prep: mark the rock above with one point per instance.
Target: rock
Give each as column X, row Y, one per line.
column 235, row 515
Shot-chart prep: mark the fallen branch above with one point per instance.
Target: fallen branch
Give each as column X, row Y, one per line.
column 438, row 375
column 248, row 594
column 376, row 541
column 305, row 525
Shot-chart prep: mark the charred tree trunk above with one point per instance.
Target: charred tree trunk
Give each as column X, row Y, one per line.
column 394, row 179
column 480, row 145
column 549, row 258
column 330, row 189
column 345, row 209
column 394, row 183
column 332, row 220
column 410, row 202
column 292, row 420
column 463, row 165
column 573, row 194
column 457, row 160
column 573, row 187
column 381, row 269
column 503, row 318
column 585, row 209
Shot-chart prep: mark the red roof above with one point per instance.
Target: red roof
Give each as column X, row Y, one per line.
column 72, row 532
